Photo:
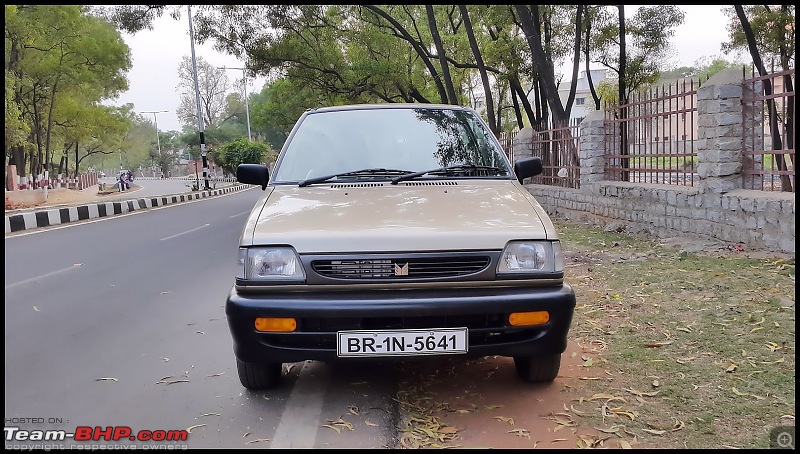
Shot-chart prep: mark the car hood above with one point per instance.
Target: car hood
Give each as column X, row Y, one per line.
column 410, row 216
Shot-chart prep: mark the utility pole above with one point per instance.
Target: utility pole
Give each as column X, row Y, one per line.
column 246, row 106
column 158, row 140
column 199, row 108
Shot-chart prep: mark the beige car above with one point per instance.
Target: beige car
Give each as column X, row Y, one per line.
column 396, row 230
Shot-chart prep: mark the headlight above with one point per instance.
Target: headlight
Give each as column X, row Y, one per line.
column 270, row 264
column 526, row 257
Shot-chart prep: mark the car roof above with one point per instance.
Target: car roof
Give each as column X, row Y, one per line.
column 388, row 106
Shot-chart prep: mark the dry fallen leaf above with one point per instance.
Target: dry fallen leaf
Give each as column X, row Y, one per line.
column 620, row 411
column 520, row 432
column 210, row 414
column 505, row 419
column 654, row 432
column 215, row 375
column 641, row 393
column 338, row 430
column 657, row 344
column 257, row 440
column 341, row 423
column 353, row 410
column 172, row 382
column 106, row 379
column 370, row 423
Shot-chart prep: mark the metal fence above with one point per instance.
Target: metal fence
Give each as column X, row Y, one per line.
column 559, row 150
column 506, row 140
column 653, row 136
column 769, row 138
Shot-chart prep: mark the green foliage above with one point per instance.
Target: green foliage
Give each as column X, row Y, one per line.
column 774, row 30
column 648, row 33
column 62, row 63
column 243, row 152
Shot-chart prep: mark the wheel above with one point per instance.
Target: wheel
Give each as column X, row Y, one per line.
column 538, row 369
column 259, row 375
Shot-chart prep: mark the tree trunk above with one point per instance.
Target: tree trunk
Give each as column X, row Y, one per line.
column 437, row 41
column 775, row 132
column 595, row 97
column 623, row 101
column 576, row 60
column 50, row 126
column 487, row 88
column 517, row 111
column 540, row 61
column 523, row 99
column 423, row 55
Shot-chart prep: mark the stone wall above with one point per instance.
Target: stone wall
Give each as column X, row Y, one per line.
column 716, row 209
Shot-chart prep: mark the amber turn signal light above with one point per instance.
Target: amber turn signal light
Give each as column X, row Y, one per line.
column 275, row 325
column 529, row 318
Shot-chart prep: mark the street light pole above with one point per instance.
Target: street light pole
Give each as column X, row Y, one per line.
column 158, row 139
column 203, row 152
column 246, row 106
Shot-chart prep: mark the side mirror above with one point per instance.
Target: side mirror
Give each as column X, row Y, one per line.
column 257, row 174
column 528, row 167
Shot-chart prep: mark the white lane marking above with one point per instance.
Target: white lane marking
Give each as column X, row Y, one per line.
column 184, row 233
column 299, row 422
column 240, row 214
column 53, row 273
column 116, row 216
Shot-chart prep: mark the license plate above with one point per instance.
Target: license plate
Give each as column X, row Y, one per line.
column 405, row 342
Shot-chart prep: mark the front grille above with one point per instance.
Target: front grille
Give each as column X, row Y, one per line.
column 401, row 268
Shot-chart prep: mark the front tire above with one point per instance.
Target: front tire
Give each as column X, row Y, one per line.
column 259, row 375
column 538, row 369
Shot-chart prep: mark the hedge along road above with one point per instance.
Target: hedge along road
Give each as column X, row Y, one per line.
column 125, row 325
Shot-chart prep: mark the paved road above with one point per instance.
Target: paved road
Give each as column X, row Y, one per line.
column 154, row 188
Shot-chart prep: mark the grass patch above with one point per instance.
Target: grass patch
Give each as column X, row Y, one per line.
column 698, row 347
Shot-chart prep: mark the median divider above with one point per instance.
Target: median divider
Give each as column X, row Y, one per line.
column 47, row 217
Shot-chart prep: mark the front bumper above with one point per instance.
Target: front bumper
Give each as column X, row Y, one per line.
column 319, row 315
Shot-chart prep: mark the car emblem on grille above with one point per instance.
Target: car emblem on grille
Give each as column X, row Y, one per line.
column 401, row 270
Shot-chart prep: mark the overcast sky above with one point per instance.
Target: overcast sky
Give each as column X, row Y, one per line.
column 156, row 53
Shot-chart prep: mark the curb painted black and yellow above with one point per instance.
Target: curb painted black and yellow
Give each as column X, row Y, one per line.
column 57, row 216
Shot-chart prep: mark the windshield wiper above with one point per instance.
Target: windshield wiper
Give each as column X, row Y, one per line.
column 449, row 170
column 354, row 173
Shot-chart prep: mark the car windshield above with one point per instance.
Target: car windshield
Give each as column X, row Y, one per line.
column 329, row 143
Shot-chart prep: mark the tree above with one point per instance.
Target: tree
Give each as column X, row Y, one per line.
column 775, row 128
column 244, row 152
column 62, row 61
column 214, row 87
column 476, row 52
